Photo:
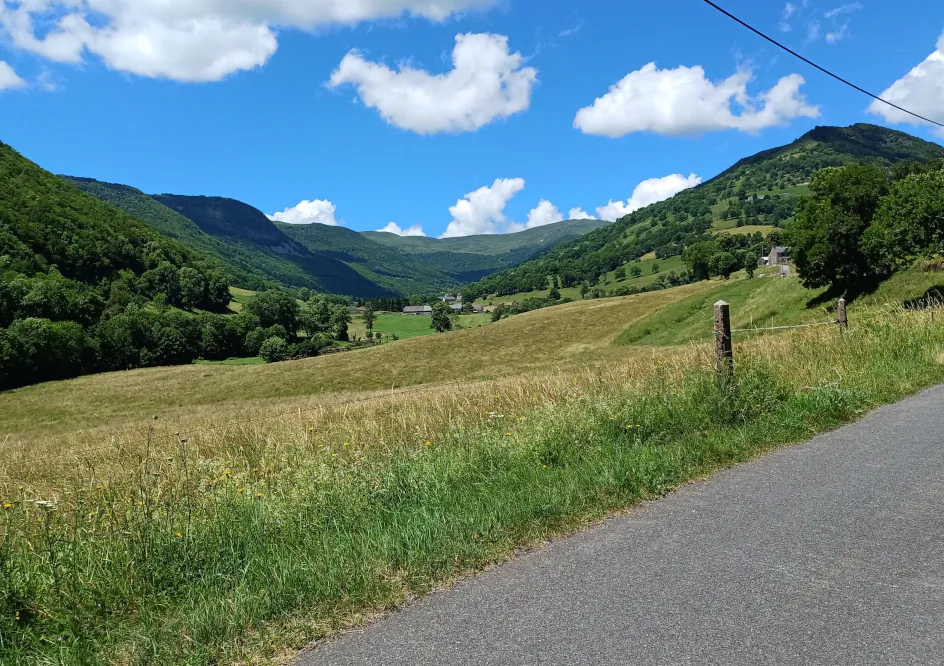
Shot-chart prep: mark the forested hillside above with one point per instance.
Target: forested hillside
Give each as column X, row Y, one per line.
column 85, row 287
column 471, row 258
column 258, row 254
column 245, row 268
column 393, row 270
column 248, row 230
column 762, row 192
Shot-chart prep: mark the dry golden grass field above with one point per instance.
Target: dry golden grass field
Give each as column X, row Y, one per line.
column 267, row 506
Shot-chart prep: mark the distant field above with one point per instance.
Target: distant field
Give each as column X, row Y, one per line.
column 410, row 327
column 576, row 333
column 239, row 296
column 747, row 229
column 591, row 332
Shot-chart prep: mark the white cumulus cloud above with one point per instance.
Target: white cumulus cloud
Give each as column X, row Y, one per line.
column 189, row 40
column 684, row 101
column 8, row 78
column 394, row 228
column 318, row 211
column 579, row 214
column 483, row 211
column 647, row 193
column 487, row 82
column 545, row 213
column 921, row 90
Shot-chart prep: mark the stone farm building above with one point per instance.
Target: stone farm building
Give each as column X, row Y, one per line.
column 427, row 311
column 779, row 256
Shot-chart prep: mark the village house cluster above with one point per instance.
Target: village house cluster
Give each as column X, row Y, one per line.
column 454, row 303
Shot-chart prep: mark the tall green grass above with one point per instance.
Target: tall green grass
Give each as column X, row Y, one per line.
column 198, row 561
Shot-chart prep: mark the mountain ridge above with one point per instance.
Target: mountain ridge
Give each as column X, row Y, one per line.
column 759, row 190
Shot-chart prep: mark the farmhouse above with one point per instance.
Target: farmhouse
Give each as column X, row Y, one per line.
column 418, row 311
column 779, row 256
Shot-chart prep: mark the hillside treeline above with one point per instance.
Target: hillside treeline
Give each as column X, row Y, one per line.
column 85, row 287
column 863, row 223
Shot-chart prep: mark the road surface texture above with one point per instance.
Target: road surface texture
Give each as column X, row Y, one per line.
column 827, row 553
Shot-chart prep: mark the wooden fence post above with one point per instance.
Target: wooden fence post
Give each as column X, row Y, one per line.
column 724, row 347
column 843, row 320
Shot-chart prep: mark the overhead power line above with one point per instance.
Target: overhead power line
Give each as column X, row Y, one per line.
column 822, row 69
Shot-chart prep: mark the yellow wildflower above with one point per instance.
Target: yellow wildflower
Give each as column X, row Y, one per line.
column 428, row 443
column 180, row 535
column 259, row 495
column 7, row 506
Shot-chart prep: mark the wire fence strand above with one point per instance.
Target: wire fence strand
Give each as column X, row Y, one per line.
column 783, row 328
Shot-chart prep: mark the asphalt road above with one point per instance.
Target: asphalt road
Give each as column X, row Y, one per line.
column 827, row 553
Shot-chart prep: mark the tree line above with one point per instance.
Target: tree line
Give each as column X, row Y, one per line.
column 863, row 223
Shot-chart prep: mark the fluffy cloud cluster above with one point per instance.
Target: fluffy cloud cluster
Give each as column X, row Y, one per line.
column 394, row 228
column 684, row 101
column 920, row 91
column 318, row 211
column 188, row 40
column 546, row 213
column 487, row 82
column 483, row 211
column 647, row 193
column 579, row 214
column 9, row 78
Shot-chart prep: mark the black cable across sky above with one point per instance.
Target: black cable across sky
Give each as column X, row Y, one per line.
column 822, row 69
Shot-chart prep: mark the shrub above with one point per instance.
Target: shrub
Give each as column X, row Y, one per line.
column 274, row 350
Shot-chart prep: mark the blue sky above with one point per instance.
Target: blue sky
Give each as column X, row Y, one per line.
column 277, row 102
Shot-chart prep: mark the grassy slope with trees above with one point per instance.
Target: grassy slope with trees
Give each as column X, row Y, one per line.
column 284, row 259
column 84, row 287
column 396, row 271
column 258, row 254
column 473, row 257
column 233, row 544
column 689, row 218
column 246, row 269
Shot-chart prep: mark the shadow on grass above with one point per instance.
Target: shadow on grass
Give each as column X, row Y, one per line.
column 851, row 292
column 932, row 298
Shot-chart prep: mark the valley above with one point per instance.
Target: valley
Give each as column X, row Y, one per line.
column 222, row 439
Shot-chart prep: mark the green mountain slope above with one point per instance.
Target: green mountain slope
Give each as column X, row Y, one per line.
column 761, row 191
column 473, row 257
column 249, row 233
column 86, row 287
column 378, row 263
column 244, row 266
column 46, row 223
column 257, row 253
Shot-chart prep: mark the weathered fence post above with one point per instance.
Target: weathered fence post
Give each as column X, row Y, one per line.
column 724, row 347
column 843, row 319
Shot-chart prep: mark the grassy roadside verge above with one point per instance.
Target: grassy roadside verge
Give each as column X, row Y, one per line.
column 259, row 543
